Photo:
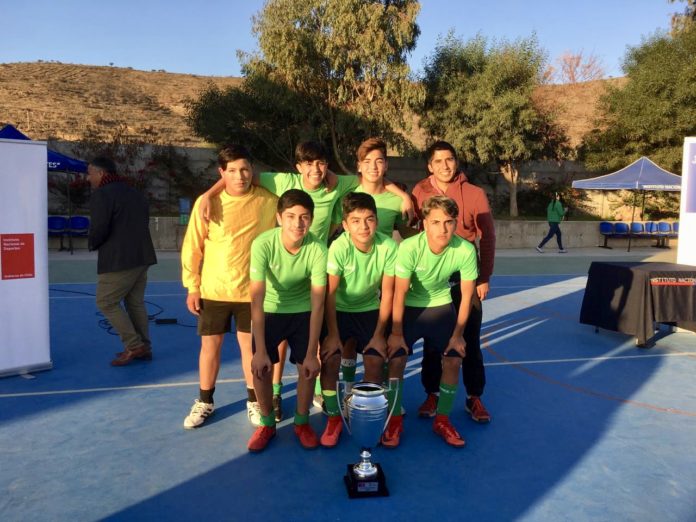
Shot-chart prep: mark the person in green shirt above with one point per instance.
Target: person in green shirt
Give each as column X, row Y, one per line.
column 372, row 165
column 554, row 215
column 360, row 268
column 288, row 282
column 423, row 306
column 326, row 189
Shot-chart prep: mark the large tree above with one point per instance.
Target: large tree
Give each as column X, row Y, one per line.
column 334, row 70
column 653, row 112
column 479, row 97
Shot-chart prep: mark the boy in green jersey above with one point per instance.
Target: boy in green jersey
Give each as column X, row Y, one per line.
column 288, row 280
column 423, row 303
column 372, row 164
column 360, row 267
column 325, row 189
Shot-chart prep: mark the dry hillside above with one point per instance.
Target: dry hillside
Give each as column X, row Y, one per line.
column 75, row 102
column 72, row 102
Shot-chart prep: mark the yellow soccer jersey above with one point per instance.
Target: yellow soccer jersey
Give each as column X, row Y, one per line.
column 215, row 256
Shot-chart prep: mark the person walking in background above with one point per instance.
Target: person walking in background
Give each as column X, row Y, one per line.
column 554, row 215
column 119, row 231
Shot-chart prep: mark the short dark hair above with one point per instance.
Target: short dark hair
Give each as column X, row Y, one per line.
column 447, row 205
column 439, row 145
column 232, row 152
column 310, row 151
column 104, row 163
column 369, row 145
column 293, row 197
column 358, row 201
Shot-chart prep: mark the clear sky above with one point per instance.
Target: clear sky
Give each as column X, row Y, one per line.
column 202, row 37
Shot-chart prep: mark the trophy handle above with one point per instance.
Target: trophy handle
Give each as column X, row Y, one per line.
column 392, row 380
column 340, row 406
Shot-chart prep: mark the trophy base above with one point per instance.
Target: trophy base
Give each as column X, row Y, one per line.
column 368, row 487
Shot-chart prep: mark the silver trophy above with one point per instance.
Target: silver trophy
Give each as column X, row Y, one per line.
column 366, row 418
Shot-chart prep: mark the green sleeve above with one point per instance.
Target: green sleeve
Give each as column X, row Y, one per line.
column 259, row 261
column 334, row 264
column 276, row 182
column 337, row 212
column 318, row 275
column 469, row 269
column 404, row 261
column 346, row 184
column 390, row 264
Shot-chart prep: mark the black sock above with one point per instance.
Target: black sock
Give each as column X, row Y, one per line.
column 251, row 395
column 206, row 395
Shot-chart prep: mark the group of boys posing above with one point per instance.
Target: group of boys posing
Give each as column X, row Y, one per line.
column 364, row 294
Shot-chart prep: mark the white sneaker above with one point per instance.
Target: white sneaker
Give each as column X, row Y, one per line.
column 562, row 251
column 199, row 412
column 254, row 413
column 538, row 249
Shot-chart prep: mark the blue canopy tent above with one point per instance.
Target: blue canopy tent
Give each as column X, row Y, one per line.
column 55, row 162
column 641, row 175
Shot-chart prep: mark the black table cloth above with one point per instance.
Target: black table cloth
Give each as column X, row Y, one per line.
column 629, row 297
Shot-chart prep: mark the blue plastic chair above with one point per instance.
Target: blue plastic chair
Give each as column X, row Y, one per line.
column 664, row 228
column 621, row 229
column 651, row 227
column 57, row 227
column 637, row 228
column 78, row 226
column 675, row 228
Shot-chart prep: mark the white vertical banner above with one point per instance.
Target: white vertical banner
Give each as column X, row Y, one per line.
column 686, row 249
column 24, row 328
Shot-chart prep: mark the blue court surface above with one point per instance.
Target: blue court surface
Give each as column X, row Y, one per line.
column 586, row 426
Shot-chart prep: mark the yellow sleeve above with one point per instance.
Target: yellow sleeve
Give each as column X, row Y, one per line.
column 192, row 251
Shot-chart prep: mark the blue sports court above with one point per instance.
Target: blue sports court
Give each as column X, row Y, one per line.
column 586, row 426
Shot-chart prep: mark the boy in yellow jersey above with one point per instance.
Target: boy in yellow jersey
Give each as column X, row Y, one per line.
column 215, row 259
column 312, row 163
column 288, row 281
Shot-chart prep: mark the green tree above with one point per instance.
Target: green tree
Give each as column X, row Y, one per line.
column 653, row 112
column 479, row 97
column 332, row 69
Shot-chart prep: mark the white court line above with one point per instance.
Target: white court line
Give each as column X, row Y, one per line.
column 293, row 377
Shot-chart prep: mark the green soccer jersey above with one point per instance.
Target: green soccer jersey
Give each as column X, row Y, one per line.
column 289, row 277
column 388, row 211
column 277, row 183
column 430, row 273
column 360, row 272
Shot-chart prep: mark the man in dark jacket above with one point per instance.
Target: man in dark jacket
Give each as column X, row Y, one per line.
column 119, row 230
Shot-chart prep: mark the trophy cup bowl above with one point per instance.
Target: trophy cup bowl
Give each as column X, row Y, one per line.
column 366, row 418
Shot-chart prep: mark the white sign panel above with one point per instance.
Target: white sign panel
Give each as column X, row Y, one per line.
column 686, row 250
column 24, row 333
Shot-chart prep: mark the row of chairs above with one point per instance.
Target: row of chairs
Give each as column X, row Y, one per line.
column 74, row 226
column 661, row 231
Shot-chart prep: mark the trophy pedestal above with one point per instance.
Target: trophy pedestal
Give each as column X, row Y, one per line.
column 358, row 487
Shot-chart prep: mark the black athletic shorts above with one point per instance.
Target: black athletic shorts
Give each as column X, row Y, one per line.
column 216, row 317
column 435, row 325
column 293, row 328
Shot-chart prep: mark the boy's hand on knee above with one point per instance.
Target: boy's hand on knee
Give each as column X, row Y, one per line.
column 310, row 367
column 260, row 364
column 458, row 344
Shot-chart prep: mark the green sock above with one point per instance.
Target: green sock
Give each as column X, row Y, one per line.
column 394, row 395
column 301, row 419
column 317, row 387
column 331, row 402
column 348, row 370
column 446, row 400
column 268, row 420
column 277, row 388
